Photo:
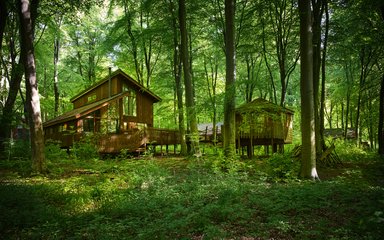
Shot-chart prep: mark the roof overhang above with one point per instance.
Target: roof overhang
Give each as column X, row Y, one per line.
column 82, row 111
column 260, row 104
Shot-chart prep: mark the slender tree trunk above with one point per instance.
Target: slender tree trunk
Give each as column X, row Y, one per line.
column 323, row 77
column 56, row 48
column 381, row 119
column 133, row 40
column 177, row 69
column 267, row 63
column 211, row 78
column 14, row 86
column 316, row 40
column 230, row 78
column 347, row 107
column 7, row 113
column 27, row 12
column 3, row 20
column 79, row 56
column 381, row 110
column 308, row 151
column 91, row 58
column 189, row 98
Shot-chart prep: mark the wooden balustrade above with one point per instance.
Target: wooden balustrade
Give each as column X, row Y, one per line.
column 130, row 140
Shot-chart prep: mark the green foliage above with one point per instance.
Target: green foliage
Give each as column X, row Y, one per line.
column 168, row 199
column 349, row 151
column 54, row 152
column 17, row 149
column 218, row 163
column 86, row 148
column 282, row 167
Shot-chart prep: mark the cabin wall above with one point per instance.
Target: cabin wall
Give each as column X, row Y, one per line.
column 101, row 92
column 144, row 110
column 265, row 128
column 144, row 104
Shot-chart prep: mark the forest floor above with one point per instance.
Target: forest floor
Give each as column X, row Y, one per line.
column 176, row 198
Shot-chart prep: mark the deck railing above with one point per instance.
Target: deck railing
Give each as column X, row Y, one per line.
column 161, row 136
column 130, row 140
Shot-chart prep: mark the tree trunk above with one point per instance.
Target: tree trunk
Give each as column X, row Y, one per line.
column 133, row 40
column 308, row 151
column 189, row 98
column 56, row 47
column 14, row 86
column 274, row 95
column 316, row 40
column 381, row 119
column 230, row 87
column 3, row 20
column 26, row 14
column 177, row 69
column 211, row 79
column 323, row 76
column 7, row 113
column 381, row 110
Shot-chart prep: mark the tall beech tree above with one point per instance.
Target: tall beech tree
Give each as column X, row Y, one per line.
column 381, row 119
column 318, row 10
column 282, row 16
column 13, row 72
column 189, row 89
column 308, row 150
column 27, row 14
column 56, row 50
column 3, row 19
column 177, row 71
column 230, row 78
column 381, row 102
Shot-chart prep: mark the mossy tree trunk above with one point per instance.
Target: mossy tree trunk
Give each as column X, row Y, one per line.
column 230, row 87
column 308, row 154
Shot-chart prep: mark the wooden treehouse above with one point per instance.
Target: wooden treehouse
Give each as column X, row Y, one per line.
column 117, row 111
column 261, row 122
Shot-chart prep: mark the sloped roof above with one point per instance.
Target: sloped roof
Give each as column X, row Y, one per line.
column 260, row 104
column 82, row 111
column 127, row 77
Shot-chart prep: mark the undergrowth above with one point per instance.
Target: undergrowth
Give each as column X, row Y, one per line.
column 176, row 198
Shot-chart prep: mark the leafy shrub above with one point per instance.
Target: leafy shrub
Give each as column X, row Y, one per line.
column 219, row 163
column 53, row 151
column 282, row 167
column 350, row 151
column 86, row 148
column 17, row 149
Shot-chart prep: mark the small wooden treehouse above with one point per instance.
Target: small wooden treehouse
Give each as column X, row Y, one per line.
column 261, row 122
column 118, row 110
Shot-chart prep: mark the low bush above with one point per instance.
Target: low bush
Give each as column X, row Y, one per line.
column 17, row 149
column 86, row 148
column 349, row 151
column 282, row 167
column 54, row 152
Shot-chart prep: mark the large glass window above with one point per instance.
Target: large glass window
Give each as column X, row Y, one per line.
column 89, row 124
column 129, row 102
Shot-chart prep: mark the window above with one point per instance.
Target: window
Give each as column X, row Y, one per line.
column 129, row 102
column 88, row 124
column 91, row 98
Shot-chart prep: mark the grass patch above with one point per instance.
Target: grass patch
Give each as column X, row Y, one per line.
column 174, row 198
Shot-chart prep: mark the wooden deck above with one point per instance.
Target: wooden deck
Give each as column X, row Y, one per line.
column 132, row 140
